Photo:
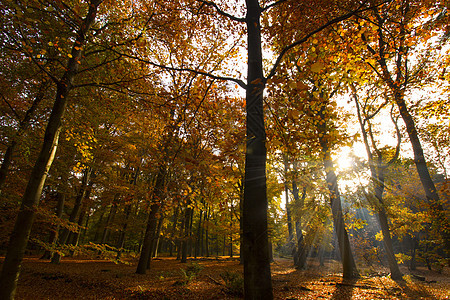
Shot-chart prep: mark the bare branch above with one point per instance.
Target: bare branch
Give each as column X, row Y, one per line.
column 10, row 106
column 221, row 12
column 204, row 73
column 272, row 5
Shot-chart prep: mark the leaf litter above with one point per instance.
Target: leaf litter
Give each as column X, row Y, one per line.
column 82, row 278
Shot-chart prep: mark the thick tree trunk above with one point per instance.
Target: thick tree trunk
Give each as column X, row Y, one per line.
column 257, row 276
column 21, row 232
column 147, row 245
column 149, row 237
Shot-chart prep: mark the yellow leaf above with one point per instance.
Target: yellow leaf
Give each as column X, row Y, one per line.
column 317, row 67
column 69, row 55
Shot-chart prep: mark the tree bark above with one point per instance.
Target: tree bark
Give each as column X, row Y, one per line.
column 436, row 209
column 173, row 231
column 348, row 262
column 66, row 233
column 288, row 208
column 377, row 170
column 185, row 241
column 198, row 239
column 300, row 253
column 109, row 220
column 21, row 232
column 123, row 231
column 257, row 276
column 157, row 238
column 54, row 233
column 149, row 237
column 23, row 125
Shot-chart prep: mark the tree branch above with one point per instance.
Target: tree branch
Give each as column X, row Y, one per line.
column 237, row 81
column 304, row 39
column 221, row 12
column 272, row 5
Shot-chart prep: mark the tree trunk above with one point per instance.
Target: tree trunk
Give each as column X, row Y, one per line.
column 377, row 170
column 121, row 239
column 300, row 253
column 208, row 211
column 147, row 245
column 23, row 125
column 348, row 262
column 286, row 194
column 54, row 233
column 99, row 226
column 74, row 238
column 109, row 220
column 174, row 228
column 382, row 217
column 231, row 232
column 21, row 232
column 66, row 233
column 157, row 238
column 149, row 237
column 436, row 209
column 184, row 243
column 199, row 231
column 257, row 276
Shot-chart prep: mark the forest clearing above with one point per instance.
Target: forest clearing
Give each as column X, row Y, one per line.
column 135, row 131
column 98, row 279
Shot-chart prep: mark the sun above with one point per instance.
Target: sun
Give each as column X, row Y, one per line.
column 344, row 160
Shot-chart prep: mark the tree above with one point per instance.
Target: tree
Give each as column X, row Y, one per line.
column 379, row 160
column 19, row 237
column 397, row 27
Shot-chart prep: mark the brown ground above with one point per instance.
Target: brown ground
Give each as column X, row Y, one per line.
column 97, row 279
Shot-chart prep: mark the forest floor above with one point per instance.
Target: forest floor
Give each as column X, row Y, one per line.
column 99, row 279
